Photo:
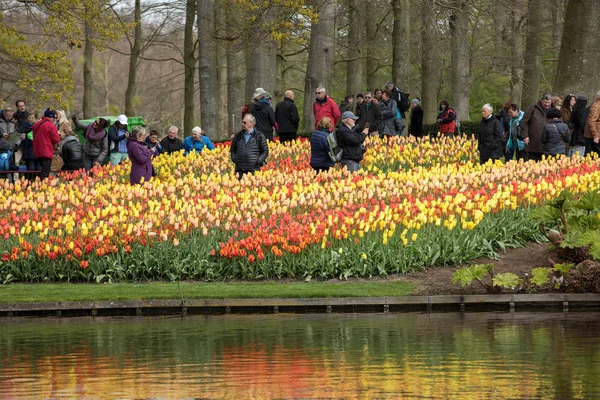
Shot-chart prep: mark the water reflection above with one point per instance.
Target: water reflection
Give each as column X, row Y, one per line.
column 364, row 356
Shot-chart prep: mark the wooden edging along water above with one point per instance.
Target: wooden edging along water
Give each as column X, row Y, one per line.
column 466, row 303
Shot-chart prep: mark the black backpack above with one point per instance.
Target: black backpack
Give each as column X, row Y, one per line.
column 403, row 101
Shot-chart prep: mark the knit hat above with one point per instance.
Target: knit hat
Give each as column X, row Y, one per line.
column 416, row 101
column 581, row 98
column 49, row 113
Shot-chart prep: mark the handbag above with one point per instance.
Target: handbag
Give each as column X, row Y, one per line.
column 57, row 163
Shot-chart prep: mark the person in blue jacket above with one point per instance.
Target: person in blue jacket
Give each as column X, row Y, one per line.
column 319, row 147
column 197, row 142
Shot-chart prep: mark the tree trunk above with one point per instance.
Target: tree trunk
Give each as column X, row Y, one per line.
column 208, row 67
column 261, row 66
column 354, row 67
column 430, row 67
column 321, row 54
column 189, row 65
column 517, row 19
column 133, row 62
column 558, row 21
column 88, row 81
column 533, row 48
column 461, row 59
column 400, row 44
column 235, row 80
column 371, row 42
column 220, row 96
column 579, row 56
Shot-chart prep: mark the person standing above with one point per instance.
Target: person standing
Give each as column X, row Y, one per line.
column 140, row 156
column 71, row 153
column 249, row 149
column 592, row 127
column 95, row 147
column 319, row 147
column 350, row 139
column 416, row 118
column 264, row 115
column 324, row 106
column 514, row 142
column 532, row 126
column 287, row 118
column 491, row 136
column 20, row 117
column 370, row 115
column 446, row 119
column 171, row 143
column 117, row 136
column 388, row 114
column 347, row 104
column 45, row 137
column 556, row 135
column 579, row 120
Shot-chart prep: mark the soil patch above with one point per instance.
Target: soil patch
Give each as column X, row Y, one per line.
column 438, row 280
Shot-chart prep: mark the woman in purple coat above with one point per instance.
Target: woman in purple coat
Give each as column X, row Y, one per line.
column 140, row 156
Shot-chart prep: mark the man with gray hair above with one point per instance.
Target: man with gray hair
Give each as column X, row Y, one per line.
column 491, row 135
column 249, row 149
column 197, row 142
column 171, row 143
column 532, row 126
column 324, row 106
column 592, row 127
column 286, row 115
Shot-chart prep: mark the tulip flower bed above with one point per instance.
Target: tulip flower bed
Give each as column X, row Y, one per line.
column 414, row 205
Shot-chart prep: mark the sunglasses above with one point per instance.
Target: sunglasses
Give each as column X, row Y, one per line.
column 318, row 92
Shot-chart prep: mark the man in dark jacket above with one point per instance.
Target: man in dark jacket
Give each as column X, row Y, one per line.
column 72, row 153
column 21, row 117
column 350, row 139
column 579, row 119
column 265, row 116
column 491, row 136
column 532, row 126
column 370, row 113
column 416, row 118
column 249, row 149
column 45, row 136
column 171, row 143
column 286, row 115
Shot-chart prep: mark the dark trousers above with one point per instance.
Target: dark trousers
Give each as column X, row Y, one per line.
column 45, row 164
column 535, row 156
column 486, row 159
column 521, row 155
column 318, row 170
column 241, row 173
column 591, row 147
column 287, row 136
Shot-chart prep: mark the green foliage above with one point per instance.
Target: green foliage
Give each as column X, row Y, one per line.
column 477, row 272
column 507, row 280
column 540, row 276
column 563, row 269
column 571, row 223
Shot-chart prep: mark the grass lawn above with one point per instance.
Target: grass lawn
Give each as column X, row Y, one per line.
column 25, row 293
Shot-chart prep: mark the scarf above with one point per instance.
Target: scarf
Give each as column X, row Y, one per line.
column 92, row 134
column 321, row 101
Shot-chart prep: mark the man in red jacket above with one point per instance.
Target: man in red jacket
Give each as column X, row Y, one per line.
column 45, row 136
column 324, row 106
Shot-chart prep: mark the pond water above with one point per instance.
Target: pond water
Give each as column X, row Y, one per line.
column 325, row 356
